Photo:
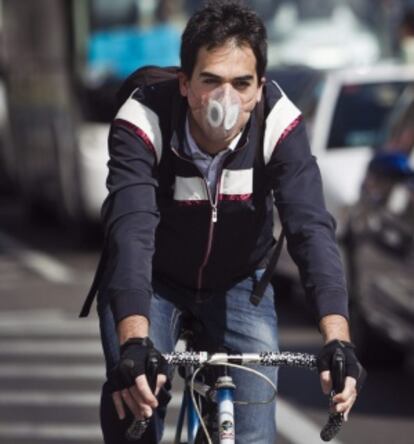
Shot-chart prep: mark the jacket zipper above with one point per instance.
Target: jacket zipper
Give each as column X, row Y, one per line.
column 213, row 219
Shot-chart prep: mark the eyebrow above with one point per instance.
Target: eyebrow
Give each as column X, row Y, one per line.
column 210, row 75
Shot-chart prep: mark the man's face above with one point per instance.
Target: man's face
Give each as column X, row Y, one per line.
column 226, row 74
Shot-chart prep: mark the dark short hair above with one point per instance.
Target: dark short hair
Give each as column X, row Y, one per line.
column 218, row 22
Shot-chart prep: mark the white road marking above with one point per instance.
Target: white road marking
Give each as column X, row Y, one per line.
column 40, row 263
column 47, row 322
column 52, row 371
column 291, row 423
column 61, row 432
column 52, row 432
column 35, row 313
column 72, row 347
column 56, row 328
column 296, row 427
column 47, row 267
column 48, row 398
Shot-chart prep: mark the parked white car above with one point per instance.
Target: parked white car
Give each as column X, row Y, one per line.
column 347, row 112
column 353, row 108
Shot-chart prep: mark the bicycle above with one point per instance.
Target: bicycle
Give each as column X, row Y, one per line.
column 221, row 393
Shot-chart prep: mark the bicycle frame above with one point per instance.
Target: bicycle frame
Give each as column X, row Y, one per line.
column 225, row 399
column 187, row 410
column 193, row 422
column 224, row 391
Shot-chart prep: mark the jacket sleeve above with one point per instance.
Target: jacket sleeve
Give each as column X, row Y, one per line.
column 130, row 217
column 310, row 230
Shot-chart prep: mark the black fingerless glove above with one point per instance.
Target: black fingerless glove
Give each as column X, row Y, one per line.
column 353, row 367
column 135, row 355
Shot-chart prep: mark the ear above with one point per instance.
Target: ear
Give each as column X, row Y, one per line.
column 183, row 82
column 260, row 90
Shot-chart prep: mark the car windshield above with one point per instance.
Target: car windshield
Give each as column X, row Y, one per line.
column 361, row 113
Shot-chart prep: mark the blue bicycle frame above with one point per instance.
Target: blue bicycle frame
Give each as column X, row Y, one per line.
column 225, row 399
column 224, row 391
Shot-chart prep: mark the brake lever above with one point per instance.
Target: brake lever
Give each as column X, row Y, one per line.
column 138, row 426
column 335, row 420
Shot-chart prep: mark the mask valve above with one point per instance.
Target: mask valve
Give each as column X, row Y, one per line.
column 223, row 110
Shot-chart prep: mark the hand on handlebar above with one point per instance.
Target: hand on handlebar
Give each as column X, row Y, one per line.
column 351, row 381
column 129, row 382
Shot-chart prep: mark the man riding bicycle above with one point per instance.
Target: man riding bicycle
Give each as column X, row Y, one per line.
column 189, row 224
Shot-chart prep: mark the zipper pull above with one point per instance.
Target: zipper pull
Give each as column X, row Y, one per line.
column 214, row 214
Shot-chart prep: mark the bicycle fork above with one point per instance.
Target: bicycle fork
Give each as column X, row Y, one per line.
column 225, row 400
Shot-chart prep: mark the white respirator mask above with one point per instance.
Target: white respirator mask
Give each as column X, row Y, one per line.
column 221, row 112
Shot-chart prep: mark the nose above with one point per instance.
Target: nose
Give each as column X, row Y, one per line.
column 228, row 89
column 224, row 91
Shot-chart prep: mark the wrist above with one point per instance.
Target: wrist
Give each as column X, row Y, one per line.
column 334, row 327
column 134, row 326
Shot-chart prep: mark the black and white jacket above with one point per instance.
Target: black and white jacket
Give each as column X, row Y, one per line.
column 161, row 221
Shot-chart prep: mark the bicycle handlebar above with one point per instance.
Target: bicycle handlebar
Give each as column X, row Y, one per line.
column 283, row 359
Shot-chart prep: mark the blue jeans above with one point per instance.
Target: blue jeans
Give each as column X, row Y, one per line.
column 229, row 320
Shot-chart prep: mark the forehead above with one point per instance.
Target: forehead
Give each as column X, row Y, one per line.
column 228, row 61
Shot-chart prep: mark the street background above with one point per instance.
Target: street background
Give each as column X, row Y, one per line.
column 51, row 365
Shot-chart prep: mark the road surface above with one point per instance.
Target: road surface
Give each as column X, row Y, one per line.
column 51, row 363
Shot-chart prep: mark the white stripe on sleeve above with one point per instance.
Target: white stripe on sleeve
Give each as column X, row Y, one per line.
column 282, row 115
column 145, row 119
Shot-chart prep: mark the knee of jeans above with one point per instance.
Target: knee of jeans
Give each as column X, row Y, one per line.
column 256, row 424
